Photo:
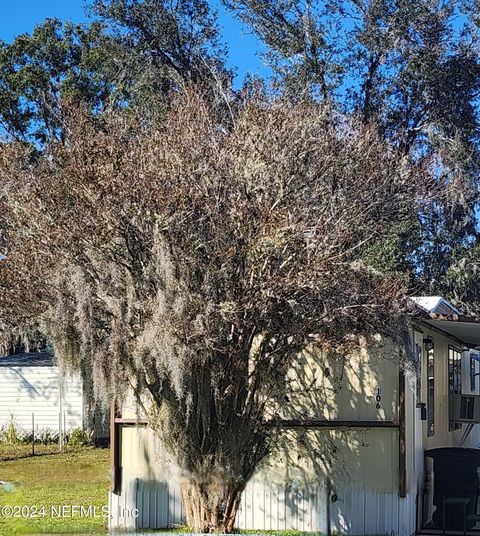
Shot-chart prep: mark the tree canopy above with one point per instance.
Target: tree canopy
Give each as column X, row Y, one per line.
column 409, row 67
column 183, row 239
column 134, row 55
column 191, row 264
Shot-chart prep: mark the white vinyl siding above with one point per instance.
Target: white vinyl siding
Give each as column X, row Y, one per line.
column 37, row 390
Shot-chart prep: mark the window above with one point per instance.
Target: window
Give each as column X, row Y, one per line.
column 430, row 392
column 472, row 372
column 418, row 370
column 454, row 384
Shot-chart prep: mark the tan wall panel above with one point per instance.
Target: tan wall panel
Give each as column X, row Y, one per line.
column 364, row 458
column 344, row 387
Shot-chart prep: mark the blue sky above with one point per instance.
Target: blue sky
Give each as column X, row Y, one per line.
column 20, row 16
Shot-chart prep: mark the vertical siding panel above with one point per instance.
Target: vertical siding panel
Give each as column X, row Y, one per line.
column 388, row 512
column 183, row 515
column 165, row 501
column 268, row 511
column 153, row 505
column 137, row 503
column 255, row 503
column 129, row 503
column 322, row 522
column 146, row 505
column 398, row 518
column 171, row 505
column 158, row 509
column 302, row 509
column 371, row 513
column 293, row 509
column 336, row 522
column 370, row 519
column 381, row 503
column 280, row 508
column 178, row 507
column 263, row 504
column 238, row 520
column 339, row 524
column 356, row 511
column 275, row 509
column 270, row 504
column 244, row 508
column 311, row 499
column 248, row 506
column 258, row 506
column 358, row 525
column 265, row 501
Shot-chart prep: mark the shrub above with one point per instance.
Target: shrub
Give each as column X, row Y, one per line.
column 46, row 436
column 12, row 435
column 79, row 438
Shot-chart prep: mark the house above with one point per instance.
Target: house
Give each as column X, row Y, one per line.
column 367, row 443
column 35, row 395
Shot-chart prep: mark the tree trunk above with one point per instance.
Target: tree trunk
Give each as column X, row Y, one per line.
column 211, row 506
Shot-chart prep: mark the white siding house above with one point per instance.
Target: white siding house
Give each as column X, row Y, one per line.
column 352, row 456
column 30, row 385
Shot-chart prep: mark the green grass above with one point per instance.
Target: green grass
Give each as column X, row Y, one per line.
column 73, row 479
column 21, row 450
column 52, row 479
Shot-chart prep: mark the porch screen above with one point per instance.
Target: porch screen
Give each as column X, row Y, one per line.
column 454, row 384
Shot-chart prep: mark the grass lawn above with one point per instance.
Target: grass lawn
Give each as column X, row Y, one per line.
column 15, row 452
column 50, row 480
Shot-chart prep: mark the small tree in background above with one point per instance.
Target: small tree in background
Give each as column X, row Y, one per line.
column 191, row 264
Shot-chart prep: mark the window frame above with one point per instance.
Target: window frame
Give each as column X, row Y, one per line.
column 454, row 384
column 418, row 374
column 430, row 355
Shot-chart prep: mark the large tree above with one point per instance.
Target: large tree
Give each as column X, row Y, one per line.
column 192, row 263
column 187, row 246
column 37, row 70
column 135, row 54
column 410, row 67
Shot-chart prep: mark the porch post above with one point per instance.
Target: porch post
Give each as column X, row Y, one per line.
column 402, row 449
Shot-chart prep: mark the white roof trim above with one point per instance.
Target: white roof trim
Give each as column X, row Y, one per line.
column 435, row 304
